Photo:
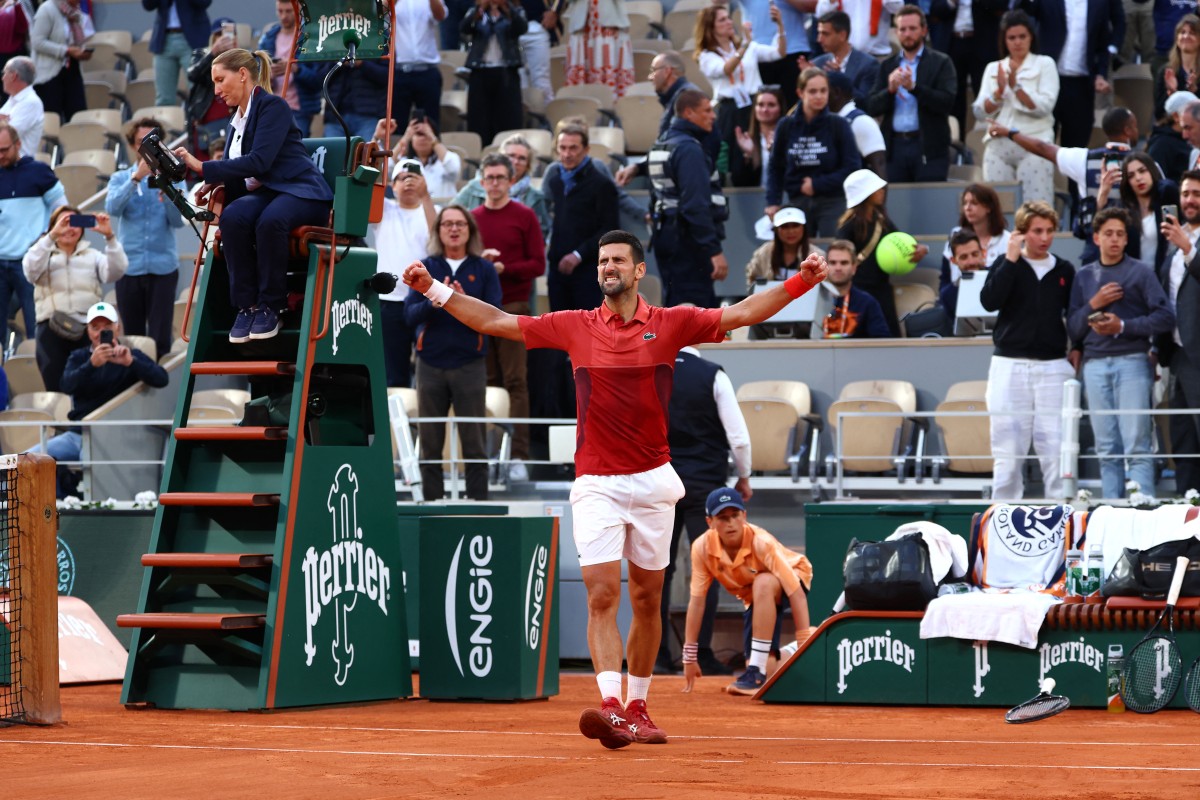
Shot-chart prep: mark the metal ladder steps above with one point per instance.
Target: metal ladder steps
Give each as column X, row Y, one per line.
column 229, row 499
column 231, row 433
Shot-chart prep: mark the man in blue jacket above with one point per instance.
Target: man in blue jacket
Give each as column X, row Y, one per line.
column 854, row 314
column 689, row 207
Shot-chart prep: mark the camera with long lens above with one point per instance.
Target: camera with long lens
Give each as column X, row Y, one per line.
column 166, row 170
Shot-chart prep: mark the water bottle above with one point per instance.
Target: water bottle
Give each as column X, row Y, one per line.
column 1115, row 668
column 1075, row 576
column 1095, row 573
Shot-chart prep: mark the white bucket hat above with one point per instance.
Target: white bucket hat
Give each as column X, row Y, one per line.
column 861, row 184
column 785, row 216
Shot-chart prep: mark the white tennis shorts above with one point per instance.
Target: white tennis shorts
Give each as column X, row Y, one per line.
column 626, row 516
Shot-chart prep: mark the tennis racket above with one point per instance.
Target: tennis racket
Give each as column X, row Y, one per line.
column 1040, row 707
column 1154, row 669
column 1191, row 686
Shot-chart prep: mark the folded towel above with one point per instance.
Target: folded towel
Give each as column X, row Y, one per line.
column 1013, row 617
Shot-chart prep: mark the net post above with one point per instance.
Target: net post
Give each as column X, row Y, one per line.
column 37, row 583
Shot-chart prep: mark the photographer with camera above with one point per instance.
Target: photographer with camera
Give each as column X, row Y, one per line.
column 99, row 370
column 68, row 276
column 494, row 29
column 440, row 165
column 147, row 219
column 271, row 187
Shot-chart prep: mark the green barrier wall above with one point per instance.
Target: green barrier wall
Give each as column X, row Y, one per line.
column 830, row 527
column 490, row 595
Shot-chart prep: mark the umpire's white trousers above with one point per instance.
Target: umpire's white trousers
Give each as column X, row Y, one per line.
column 1033, row 390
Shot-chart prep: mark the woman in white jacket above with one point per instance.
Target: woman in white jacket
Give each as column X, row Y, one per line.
column 68, row 276
column 1019, row 92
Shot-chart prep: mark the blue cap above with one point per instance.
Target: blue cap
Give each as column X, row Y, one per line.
column 721, row 499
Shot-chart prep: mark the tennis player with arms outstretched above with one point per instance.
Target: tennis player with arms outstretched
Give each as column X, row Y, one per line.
column 623, row 500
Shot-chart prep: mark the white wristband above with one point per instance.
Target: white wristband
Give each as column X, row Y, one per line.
column 439, row 294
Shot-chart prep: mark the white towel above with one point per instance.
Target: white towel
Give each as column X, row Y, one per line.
column 1023, row 546
column 1114, row 529
column 1012, row 617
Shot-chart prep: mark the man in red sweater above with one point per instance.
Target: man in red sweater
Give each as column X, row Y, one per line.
column 512, row 240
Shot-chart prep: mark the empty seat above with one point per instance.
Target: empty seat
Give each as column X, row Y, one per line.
column 144, row 343
column 875, row 444
column 80, row 181
column 910, row 298
column 140, row 93
column 103, row 161
column 21, row 429
column 639, row 115
column 539, row 139
column 172, row 118
column 23, row 375
column 966, row 443
column 783, row 431
column 232, row 399
column 76, row 136
column 56, row 404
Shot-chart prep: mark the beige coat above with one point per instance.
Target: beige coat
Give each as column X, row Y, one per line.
column 71, row 283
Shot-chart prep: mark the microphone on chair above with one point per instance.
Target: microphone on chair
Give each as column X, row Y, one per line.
column 382, row 282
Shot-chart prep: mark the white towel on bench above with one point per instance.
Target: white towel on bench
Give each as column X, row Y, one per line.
column 1014, row 617
column 1114, row 529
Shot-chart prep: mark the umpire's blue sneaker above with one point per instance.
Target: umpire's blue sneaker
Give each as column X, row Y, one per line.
column 239, row 332
column 749, row 682
column 265, row 325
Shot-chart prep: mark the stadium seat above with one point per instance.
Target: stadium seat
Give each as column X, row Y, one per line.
column 639, row 115
column 80, row 181
column 453, row 116
column 650, row 288
column 451, row 79
column 560, row 108
column 468, row 141
column 784, row 433
column 558, row 68
column 911, row 298
column 865, row 440
column 83, row 136
column 56, row 404
column 540, row 139
column 142, row 58
column 103, row 160
column 966, row 444
column 600, row 92
column 232, row 400
column 25, row 430
column 679, row 25
column 140, row 93
column 144, row 343
column 172, row 118
column 612, row 138
column 1133, row 88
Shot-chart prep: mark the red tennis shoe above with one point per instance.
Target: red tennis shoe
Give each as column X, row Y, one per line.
column 641, row 726
column 607, row 723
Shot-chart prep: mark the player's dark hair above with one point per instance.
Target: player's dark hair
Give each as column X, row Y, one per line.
column 1115, row 121
column 625, row 237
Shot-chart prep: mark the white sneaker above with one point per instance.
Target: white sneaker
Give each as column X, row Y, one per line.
column 517, row 473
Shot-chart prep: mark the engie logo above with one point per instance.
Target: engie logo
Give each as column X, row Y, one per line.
column 340, row 574
column 350, row 312
column 535, row 597
column 1030, row 532
column 479, row 595
column 884, row 648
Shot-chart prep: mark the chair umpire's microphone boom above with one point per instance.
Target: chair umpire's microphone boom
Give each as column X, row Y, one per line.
column 351, row 40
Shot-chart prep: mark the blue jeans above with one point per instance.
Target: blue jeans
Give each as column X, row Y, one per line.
column 174, row 58
column 12, row 281
column 1113, row 383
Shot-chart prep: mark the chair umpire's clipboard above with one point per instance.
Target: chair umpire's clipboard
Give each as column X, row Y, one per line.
column 802, row 309
column 970, row 317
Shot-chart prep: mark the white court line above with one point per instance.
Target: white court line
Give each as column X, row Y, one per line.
column 803, row 739
column 987, row 766
column 400, row 754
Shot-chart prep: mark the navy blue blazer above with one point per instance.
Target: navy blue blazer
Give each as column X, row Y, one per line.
column 272, row 151
column 1105, row 27
column 193, row 18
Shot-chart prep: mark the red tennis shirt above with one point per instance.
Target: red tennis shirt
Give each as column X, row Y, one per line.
column 623, row 378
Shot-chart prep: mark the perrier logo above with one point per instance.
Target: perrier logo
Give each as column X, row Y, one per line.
column 338, row 575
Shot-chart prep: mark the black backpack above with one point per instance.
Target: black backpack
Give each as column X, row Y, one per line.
column 894, row 575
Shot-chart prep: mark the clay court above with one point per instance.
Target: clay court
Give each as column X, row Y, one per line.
column 721, row 746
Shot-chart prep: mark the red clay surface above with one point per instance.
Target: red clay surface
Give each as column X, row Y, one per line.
column 721, row 746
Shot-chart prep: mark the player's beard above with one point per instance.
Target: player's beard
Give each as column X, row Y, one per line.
column 614, row 289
